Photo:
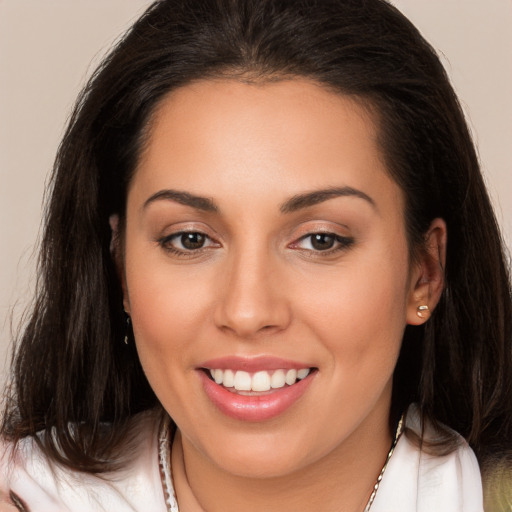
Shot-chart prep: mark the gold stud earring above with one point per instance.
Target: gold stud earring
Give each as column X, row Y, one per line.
column 422, row 310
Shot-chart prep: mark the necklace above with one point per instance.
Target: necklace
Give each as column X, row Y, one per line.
column 398, row 433
column 164, row 463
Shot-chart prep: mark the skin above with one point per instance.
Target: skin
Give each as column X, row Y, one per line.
column 258, row 287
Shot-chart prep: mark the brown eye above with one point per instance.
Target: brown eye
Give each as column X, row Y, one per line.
column 187, row 242
column 191, row 241
column 322, row 241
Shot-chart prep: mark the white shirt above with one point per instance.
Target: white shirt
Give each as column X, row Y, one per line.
column 417, row 482
column 413, row 481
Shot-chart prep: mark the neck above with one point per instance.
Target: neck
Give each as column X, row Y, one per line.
column 341, row 481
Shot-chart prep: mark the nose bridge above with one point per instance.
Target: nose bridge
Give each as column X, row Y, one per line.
column 252, row 298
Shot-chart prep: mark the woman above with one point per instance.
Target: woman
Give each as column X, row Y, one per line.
column 267, row 223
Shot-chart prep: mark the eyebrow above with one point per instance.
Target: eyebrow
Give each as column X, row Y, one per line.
column 200, row 203
column 309, row 199
column 295, row 203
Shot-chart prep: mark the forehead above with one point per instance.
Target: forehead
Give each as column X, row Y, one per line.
column 219, row 136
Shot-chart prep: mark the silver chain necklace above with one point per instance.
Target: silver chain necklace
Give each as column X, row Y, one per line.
column 164, row 463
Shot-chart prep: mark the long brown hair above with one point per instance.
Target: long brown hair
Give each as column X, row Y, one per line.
column 72, row 373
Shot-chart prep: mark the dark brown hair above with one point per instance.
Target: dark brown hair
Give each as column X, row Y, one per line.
column 71, row 370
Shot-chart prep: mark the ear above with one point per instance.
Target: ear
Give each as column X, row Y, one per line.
column 427, row 275
column 117, row 256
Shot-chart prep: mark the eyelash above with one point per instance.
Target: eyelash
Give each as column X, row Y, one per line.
column 166, row 243
column 340, row 243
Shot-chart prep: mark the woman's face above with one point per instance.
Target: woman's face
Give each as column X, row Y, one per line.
column 265, row 241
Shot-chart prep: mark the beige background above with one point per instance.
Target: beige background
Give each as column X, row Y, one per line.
column 48, row 48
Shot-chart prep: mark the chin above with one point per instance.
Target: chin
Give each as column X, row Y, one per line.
column 264, row 456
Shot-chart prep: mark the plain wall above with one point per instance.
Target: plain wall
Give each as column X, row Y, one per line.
column 49, row 47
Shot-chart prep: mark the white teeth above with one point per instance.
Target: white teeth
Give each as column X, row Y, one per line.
column 217, row 376
column 229, row 379
column 278, row 379
column 302, row 373
column 242, row 381
column 291, row 377
column 259, row 381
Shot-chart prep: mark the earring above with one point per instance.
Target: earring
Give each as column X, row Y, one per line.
column 127, row 330
column 421, row 310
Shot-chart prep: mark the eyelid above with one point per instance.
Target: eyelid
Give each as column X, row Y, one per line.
column 176, row 228
column 344, row 242
column 343, row 239
column 165, row 242
column 179, row 234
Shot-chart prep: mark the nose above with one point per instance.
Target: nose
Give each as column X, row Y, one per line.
column 252, row 298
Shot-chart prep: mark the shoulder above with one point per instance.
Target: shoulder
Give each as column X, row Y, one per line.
column 417, row 481
column 42, row 485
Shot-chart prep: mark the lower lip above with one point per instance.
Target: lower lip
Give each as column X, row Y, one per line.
column 254, row 407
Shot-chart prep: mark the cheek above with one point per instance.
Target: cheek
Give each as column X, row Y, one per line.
column 359, row 312
column 167, row 309
column 167, row 318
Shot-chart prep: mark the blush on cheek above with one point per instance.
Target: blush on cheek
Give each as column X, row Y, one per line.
column 365, row 327
column 162, row 327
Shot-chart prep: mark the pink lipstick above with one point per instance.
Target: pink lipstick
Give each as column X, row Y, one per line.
column 254, row 389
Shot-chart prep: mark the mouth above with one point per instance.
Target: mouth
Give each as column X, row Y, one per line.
column 255, row 390
column 255, row 383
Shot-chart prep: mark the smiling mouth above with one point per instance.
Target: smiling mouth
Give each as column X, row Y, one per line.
column 242, row 382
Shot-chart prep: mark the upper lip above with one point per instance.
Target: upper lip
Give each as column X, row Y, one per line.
column 252, row 364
